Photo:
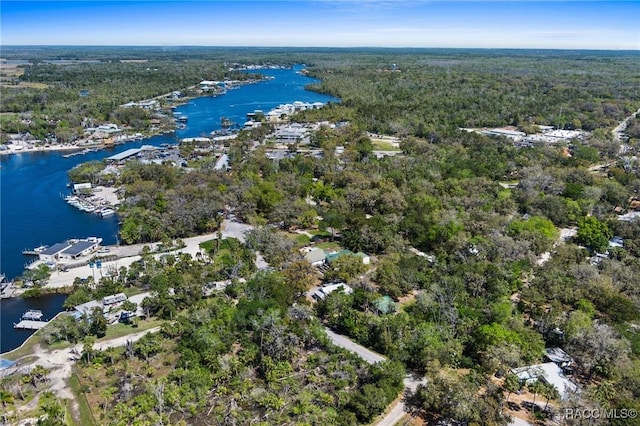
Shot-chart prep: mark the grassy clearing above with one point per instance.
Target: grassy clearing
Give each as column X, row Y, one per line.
column 384, row 146
column 208, row 245
column 329, row 246
column 83, row 415
column 300, row 239
column 120, row 330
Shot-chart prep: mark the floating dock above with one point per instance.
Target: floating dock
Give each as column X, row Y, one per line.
column 30, row 325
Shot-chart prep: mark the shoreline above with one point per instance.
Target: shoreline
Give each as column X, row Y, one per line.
column 75, row 146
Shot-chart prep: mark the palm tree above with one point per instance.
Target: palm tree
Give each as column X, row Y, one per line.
column 536, row 388
column 511, row 384
column 550, row 392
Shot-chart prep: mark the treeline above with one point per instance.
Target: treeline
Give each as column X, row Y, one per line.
column 419, row 95
column 76, row 95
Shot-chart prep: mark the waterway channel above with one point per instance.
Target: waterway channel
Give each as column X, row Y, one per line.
column 32, row 184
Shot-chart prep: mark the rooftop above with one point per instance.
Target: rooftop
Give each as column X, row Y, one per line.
column 79, row 247
column 55, row 249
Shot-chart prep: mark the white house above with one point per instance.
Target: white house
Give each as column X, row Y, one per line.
column 115, row 298
column 323, row 292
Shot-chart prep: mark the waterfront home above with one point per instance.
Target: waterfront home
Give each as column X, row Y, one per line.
column 52, row 253
column 81, row 187
column 87, row 308
column 79, row 249
column 71, row 249
column 147, row 104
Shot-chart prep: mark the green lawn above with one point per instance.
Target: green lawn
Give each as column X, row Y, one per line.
column 383, row 146
column 329, row 246
column 84, row 411
column 119, row 329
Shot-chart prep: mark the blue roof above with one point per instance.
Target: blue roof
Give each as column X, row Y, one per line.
column 55, row 249
column 79, row 247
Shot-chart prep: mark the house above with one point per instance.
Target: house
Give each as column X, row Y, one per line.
column 616, row 242
column 87, row 308
column 115, row 298
column 108, row 128
column 81, row 187
column 316, row 257
column 79, row 249
column 222, row 163
column 52, row 253
column 148, row 104
column 323, row 292
column 560, row 357
column 548, row 372
column 291, row 133
column 366, row 259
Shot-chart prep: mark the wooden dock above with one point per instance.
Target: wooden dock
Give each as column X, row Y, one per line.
column 30, row 325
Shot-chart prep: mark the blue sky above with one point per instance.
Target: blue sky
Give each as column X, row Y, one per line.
column 341, row 23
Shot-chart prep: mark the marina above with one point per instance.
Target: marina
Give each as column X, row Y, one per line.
column 34, row 185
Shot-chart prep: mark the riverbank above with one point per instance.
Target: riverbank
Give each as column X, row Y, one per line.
column 27, row 147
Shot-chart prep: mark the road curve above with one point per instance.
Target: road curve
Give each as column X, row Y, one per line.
column 348, row 344
column 397, row 412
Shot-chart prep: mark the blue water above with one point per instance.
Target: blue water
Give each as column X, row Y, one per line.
column 33, row 213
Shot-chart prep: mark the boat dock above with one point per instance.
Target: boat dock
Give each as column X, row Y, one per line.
column 30, row 325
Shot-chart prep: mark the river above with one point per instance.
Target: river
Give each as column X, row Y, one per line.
column 33, row 212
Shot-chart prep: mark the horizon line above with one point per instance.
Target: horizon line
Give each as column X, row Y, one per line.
column 313, row 47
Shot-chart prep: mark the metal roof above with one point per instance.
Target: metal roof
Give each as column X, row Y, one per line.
column 124, row 154
column 55, row 249
column 79, row 247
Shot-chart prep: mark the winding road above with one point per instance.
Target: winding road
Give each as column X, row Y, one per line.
column 397, row 412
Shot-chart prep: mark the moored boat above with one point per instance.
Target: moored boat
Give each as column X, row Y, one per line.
column 32, row 315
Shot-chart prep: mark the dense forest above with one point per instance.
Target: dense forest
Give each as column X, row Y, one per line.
column 490, row 252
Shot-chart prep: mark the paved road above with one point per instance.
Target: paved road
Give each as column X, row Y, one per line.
column 348, row 344
column 396, row 414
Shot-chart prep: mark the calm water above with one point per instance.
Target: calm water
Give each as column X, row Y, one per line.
column 32, row 211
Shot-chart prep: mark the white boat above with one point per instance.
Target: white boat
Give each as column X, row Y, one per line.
column 107, row 212
column 32, row 315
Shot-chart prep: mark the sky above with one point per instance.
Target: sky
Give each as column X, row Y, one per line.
column 557, row 24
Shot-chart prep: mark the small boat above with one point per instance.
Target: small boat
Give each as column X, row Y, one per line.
column 107, row 212
column 32, row 315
